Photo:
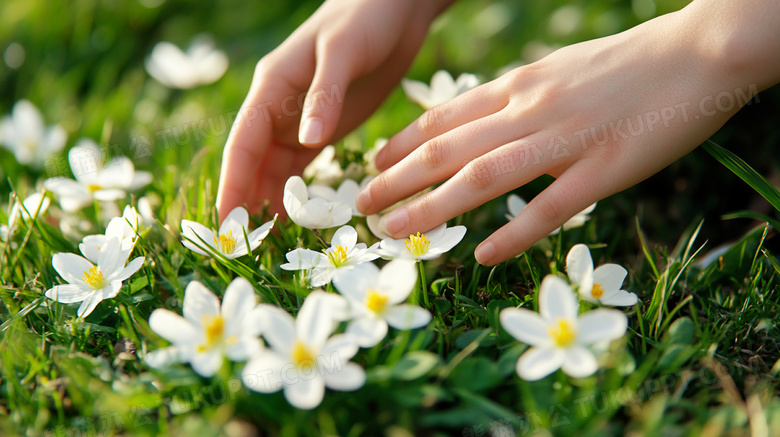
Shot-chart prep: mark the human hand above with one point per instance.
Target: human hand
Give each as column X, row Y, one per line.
column 345, row 59
column 598, row 116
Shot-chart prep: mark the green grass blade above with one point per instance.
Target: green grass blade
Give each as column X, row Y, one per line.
column 744, row 172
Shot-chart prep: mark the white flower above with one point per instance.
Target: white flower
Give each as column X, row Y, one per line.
column 124, row 228
column 324, row 169
column 145, row 211
column 303, row 359
column 207, row 332
column 343, row 253
column 516, row 204
column 369, row 157
column 601, row 285
column 34, row 205
column 443, row 88
column 559, row 339
column 315, row 212
column 376, row 300
column 346, row 193
column 89, row 283
column 24, row 134
column 93, row 180
column 202, row 64
column 229, row 240
column 423, row 246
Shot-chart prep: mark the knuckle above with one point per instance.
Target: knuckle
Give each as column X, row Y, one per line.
column 430, row 122
column 548, row 209
column 379, row 188
column 433, row 154
column 477, row 175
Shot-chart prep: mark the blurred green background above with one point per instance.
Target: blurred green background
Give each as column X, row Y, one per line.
column 83, row 66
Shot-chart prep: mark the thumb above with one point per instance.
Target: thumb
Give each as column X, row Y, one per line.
column 324, row 101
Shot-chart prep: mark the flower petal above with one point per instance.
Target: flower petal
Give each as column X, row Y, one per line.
column 199, row 235
column 67, row 293
column 601, row 324
column 610, row 277
column 579, row 362
column 345, row 236
column 367, row 331
column 263, row 373
column 162, row 357
column 89, row 304
column 620, row 298
column 397, row 279
column 173, row 327
column 448, row 238
column 353, row 283
column 526, row 326
column 198, row 303
column 305, row 392
column 537, row 363
column 406, row 316
column 350, row 377
column 301, row 259
column 515, row 204
column 236, row 222
column 277, row 327
column 207, row 364
column 314, row 322
column 238, row 301
column 578, row 263
column 71, row 267
column 130, row 269
column 557, row 300
column 243, row 348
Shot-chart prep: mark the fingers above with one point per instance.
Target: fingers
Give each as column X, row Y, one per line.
column 439, row 159
column 477, row 182
column 573, row 191
column 475, row 104
column 325, row 97
column 242, row 156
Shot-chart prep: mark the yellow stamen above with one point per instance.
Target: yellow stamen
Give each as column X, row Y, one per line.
column 597, row 291
column 376, row 301
column 227, row 242
column 338, row 256
column 94, row 278
column 302, row 357
column 214, row 327
column 93, row 187
column 417, row 245
column 563, row 333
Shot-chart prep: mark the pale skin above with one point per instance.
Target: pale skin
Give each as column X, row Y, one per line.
column 559, row 116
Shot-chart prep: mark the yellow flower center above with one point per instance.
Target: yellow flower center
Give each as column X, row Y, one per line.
column 226, row 243
column 94, row 278
column 93, row 187
column 302, row 357
column 417, row 245
column 214, row 327
column 597, row 291
column 338, row 256
column 562, row 333
column 376, row 301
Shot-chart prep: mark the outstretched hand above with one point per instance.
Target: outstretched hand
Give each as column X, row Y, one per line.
column 318, row 85
column 598, row 116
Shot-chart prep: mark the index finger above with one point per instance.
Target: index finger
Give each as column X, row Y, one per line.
column 244, row 151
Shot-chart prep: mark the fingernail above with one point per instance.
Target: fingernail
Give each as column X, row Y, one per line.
column 363, row 201
column 485, row 253
column 311, row 131
column 395, row 222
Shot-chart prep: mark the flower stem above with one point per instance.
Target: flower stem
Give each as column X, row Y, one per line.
column 322, row 241
column 423, row 284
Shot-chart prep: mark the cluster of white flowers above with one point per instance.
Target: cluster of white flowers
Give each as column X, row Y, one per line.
column 99, row 273
column 561, row 337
